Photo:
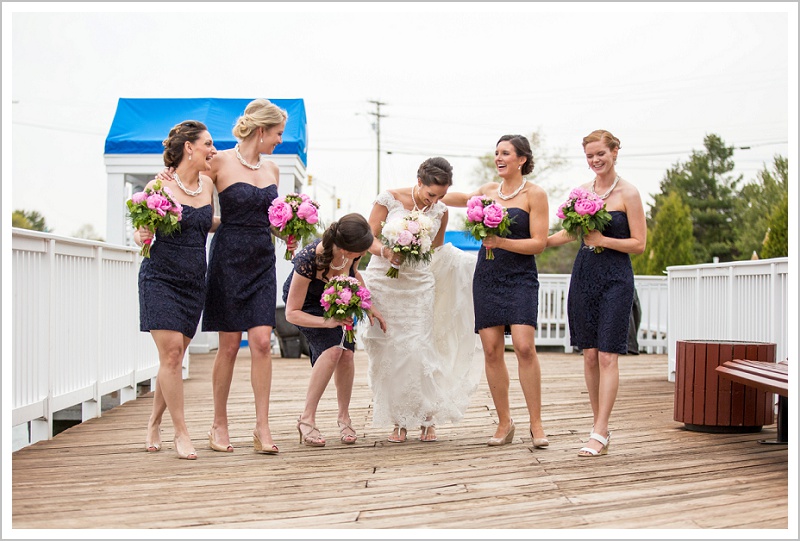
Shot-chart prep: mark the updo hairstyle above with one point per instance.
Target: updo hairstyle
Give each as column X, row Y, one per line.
column 259, row 113
column 188, row 130
column 351, row 233
column 436, row 171
column 604, row 137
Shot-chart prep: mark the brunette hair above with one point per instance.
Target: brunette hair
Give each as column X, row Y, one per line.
column 351, row 233
column 604, row 137
column 259, row 113
column 188, row 130
column 523, row 149
column 436, row 171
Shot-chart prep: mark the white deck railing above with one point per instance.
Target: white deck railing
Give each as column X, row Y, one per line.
column 75, row 328
column 738, row 301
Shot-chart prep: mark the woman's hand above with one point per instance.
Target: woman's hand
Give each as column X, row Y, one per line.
column 395, row 258
column 594, row 238
column 166, row 174
column 291, row 243
column 373, row 315
column 491, row 242
column 145, row 236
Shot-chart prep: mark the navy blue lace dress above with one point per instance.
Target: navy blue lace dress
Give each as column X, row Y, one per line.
column 172, row 282
column 242, row 283
column 319, row 339
column 505, row 290
column 601, row 294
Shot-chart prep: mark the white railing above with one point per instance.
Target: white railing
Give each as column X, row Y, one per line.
column 553, row 327
column 75, row 328
column 738, row 301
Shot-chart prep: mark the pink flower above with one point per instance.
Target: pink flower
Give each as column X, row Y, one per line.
column 475, row 201
column 585, row 206
column 578, row 193
column 138, row 197
column 344, row 296
column 308, row 212
column 366, row 297
column 405, row 238
column 280, row 214
column 475, row 213
column 493, row 215
column 412, row 226
column 560, row 211
column 159, row 203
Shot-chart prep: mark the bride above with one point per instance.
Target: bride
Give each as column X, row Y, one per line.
column 426, row 365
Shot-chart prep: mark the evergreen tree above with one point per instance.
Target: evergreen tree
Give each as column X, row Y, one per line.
column 672, row 241
column 757, row 201
column 777, row 243
column 709, row 191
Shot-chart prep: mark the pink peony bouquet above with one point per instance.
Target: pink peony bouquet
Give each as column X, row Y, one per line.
column 582, row 212
column 294, row 215
column 486, row 217
column 411, row 236
column 345, row 297
column 156, row 209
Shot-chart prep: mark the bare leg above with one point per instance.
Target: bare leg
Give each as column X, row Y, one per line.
column 604, row 373
column 497, row 376
column 343, row 377
column 221, row 378
column 261, row 377
column 530, row 375
column 171, row 347
column 153, row 442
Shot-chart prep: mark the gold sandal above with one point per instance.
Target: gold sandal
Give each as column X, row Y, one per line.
column 347, row 439
column 308, row 438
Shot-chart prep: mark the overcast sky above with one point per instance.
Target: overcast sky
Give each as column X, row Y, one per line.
column 454, row 77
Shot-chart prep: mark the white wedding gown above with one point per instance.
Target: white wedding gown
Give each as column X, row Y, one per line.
column 426, row 366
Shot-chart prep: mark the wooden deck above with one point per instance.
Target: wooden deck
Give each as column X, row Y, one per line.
column 657, row 474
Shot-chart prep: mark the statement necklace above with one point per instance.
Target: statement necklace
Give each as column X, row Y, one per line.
column 189, row 192
column 243, row 161
column 414, row 199
column 513, row 195
column 611, row 189
column 340, row 267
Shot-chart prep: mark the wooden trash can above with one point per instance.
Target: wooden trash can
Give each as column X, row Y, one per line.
column 707, row 403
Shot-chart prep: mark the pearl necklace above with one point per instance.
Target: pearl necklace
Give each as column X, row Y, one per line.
column 243, row 161
column 513, row 195
column 611, row 189
column 340, row 267
column 189, row 192
column 414, row 199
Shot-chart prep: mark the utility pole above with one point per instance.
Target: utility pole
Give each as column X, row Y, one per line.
column 377, row 127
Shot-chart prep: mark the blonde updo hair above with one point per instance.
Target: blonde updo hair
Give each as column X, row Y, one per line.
column 188, row 130
column 259, row 113
column 604, row 137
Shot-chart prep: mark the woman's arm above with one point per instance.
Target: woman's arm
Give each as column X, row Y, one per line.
column 294, row 306
column 459, row 199
column 439, row 239
column 373, row 312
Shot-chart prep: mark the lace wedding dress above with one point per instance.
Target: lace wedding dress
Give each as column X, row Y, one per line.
column 423, row 370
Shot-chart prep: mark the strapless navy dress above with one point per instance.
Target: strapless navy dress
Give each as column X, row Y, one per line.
column 242, row 289
column 172, row 282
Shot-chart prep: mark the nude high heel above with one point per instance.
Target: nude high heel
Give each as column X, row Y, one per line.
column 539, row 442
column 504, row 440
column 259, row 447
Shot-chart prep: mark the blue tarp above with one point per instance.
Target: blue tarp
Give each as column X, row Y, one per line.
column 462, row 240
column 141, row 124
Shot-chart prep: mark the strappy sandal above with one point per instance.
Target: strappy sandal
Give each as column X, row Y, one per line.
column 589, row 452
column 347, row 439
column 308, row 438
column 397, row 436
column 423, row 436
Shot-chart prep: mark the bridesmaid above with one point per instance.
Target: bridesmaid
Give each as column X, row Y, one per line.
column 601, row 289
column 336, row 254
column 172, row 280
column 506, row 289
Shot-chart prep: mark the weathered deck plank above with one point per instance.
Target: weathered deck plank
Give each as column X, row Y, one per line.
column 657, row 474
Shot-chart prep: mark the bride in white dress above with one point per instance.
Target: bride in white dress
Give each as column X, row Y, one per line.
column 429, row 361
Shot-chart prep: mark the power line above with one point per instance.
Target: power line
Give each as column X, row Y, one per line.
column 377, row 125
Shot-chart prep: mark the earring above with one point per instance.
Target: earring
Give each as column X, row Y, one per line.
column 190, row 157
column 261, row 140
column 519, row 167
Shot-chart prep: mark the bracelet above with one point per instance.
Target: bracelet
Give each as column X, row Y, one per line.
column 383, row 246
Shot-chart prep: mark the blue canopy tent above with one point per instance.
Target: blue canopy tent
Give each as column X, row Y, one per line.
column 462, row 240
column 141, row 124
